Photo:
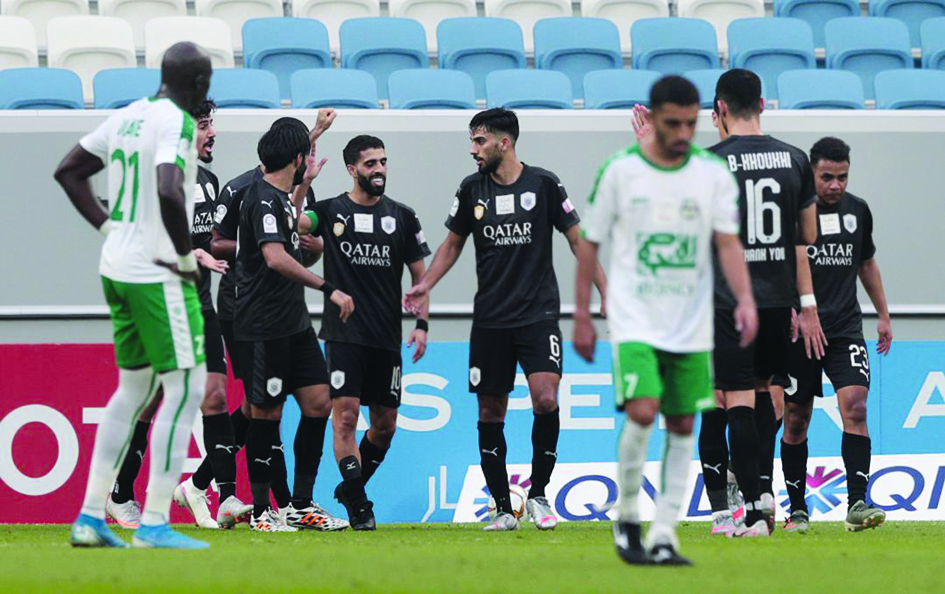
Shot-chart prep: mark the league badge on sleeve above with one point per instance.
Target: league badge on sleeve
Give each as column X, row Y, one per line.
column 388, row 224
column 849, row 222
column 269, row 223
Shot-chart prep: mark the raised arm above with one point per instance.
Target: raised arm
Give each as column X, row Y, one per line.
column 873, row 283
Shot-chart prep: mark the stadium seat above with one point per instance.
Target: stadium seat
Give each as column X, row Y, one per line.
column 332, row 13
column 624, row 13
column 40, row 12
column 17, row 43
column 705, row 81
column 820, row 89
column 236, row 12
column 431, row 89
column 816, row 13
column 139, row 12
column 118, row 87
column 283, row 45
column 381, row 45
column 933, row 44
column 618, row 89
column 528, row 12
column 40, row 88
column 431, row 12
column 244, row 88
column 769, row 47
column 213, row 35
column 866, row 46
column 910, row 89
column 478, row 46
column 720, row 13
column 87, row 44
column 576, row 46
column 342, row 89
column 528, row 89
column 911, row 12
column 674, row 45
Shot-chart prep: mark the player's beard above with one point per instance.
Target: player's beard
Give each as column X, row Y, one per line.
column 491, row 164
column 369, row 188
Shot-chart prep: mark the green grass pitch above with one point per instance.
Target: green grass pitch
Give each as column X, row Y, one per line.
column 448, row 558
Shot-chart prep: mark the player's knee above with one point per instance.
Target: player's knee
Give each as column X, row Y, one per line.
column 680, row 425
column 643, row 412
column 856, row 412
column 795, row 425
column 545, row 402
column 345, row 421
column 382, row 431
column 214, row 401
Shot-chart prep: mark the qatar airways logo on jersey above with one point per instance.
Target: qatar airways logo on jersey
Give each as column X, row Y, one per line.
column 831, row 254
column 509, row 233
column 203, row 222
column 367, row 254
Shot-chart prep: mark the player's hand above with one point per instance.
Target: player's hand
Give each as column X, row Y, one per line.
column 585, row 336
column 323, row 122
column 795, row 325
column 814, row 339
column 746, row 322
column 415, row 297
column 192, row 276
column 642, row 126
column 312, row 166
column 345, row 302
column 603, row 305
column 884, row 330
column 211, row 263
column 420, row 337
column 311, row 244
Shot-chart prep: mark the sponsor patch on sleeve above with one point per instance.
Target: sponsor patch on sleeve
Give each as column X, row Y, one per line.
column 269, row 223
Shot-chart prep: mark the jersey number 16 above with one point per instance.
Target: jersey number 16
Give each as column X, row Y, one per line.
column 754, row 194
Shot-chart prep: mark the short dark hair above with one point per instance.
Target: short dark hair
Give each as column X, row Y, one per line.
column 740, row 89
column 206, row 108
column 673, row 89
column 358, row 145
column 496, row 120
column 829, row 149
column 290, row 121
column 281, row 145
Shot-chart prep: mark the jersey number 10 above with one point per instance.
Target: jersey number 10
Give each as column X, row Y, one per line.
column 132, row 162
column 754, row 195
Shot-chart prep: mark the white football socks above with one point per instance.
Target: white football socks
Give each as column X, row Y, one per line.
column 631, row 456
column 677, row 457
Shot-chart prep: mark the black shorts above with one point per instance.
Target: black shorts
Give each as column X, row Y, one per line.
column 229, row 339
column 846, row 363
column 739, row 368
column 213, row 342
column 370, row 374
column 494, row 354
column 273, row 369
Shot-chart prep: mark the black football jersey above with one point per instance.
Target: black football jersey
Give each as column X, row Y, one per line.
column 268, row 305
column 512, row 228
column 844, row 241
column 366, row 250
column 775, row 183
column 205, row 196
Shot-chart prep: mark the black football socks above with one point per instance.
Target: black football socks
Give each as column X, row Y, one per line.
column 545, row 430
column 260, row 439
column 204, row 473
column 371, row 457
column 352, row 482
column 794, row 465
column 765, row 422
column 855, row 450
column 309, row 442
column 743, row 437
column 124, row 490
column 492, row 451
column 220, row 443
column 713, row 455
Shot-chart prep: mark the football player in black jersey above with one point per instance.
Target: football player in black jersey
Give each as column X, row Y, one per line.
column 512, row 210
column 844, row 251
column 278, row 349
column 369, row 239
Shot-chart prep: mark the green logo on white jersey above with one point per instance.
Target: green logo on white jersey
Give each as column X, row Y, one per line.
column 666, row 250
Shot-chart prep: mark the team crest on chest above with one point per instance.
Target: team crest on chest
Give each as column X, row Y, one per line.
column 479, row 212
column 849, row 222
column 388, row 224
column 338, row 229
column 528, row 200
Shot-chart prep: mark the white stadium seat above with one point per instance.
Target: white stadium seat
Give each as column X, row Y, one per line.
column 17, row 43
column 527, row 12
column 431, row 12
column 213, row 35
column 139, row 12
column 236, row 12
column 334, row 12
column 720, row 13
column 87, row 44
column 39, row 12
column 624, row 13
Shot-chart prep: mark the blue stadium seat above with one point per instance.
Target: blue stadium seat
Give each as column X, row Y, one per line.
column 618, row 89
column 431, row 89
column 528, row 89
column 911, row 12
column 933, row 44
column 246, row 88
column 866, row 46
column 283, row 45
column 674, row 45
column 40, row 88
column 343, row 89
column 705, row 81
column 117, row 87
column 910, row 89
column 820, row 89
column 769, row 47
column 381, row 45
column 478, row 46
column 576, row 46
column 816, row 13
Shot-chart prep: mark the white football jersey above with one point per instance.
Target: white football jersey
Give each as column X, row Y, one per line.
column 132, row 143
